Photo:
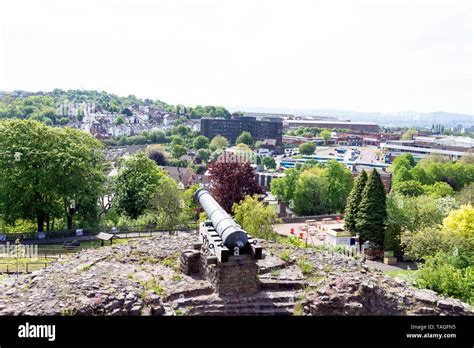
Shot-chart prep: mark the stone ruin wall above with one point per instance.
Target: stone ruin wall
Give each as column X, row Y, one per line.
column 236, row 277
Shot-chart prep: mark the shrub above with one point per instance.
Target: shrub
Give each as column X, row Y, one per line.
column 305, row 267
column 410, row 188
column 285, row 255
column 307, row 148
column 176, row 278
column 171, row 261
column 296, row 241
column 255, row 217
column 157, row 153
column 449, row 274
column 422, row 243
column 392, row 241
column 152, row 284
column 439, row 189
column 298, row 310
column 460, row 222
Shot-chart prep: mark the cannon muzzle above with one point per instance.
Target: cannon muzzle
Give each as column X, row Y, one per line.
column 230, row 232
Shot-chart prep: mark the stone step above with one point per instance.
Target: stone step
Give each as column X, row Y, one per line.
column 286, row 309
column 261, row 305
column 281, row 284
column 283, row 308
column 194, row 293
column 266, row 297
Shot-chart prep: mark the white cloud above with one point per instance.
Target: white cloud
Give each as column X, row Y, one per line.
column 368, row 56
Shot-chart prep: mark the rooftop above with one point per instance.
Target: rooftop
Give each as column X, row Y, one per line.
column 422, row 149
column 448, row 140
column 333, row 122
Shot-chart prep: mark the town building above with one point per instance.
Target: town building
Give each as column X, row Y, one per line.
column 264, row 179
column 355, row 126
column 296, row 140
column 186, row 177
column 420, row 147
column 350, row 140
column 232, row 128
column 385, row 176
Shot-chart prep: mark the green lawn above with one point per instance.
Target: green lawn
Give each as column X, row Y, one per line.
column 10, row 264
column 52, row 251
column 404, row 274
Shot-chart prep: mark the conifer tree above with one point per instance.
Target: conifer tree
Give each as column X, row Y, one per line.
column 372, row 213
column 353, row 202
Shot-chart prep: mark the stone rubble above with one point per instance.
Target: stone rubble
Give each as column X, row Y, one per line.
column 143, row 277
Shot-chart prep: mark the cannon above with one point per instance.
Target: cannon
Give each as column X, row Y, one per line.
column 221, row 234
column 231, row 233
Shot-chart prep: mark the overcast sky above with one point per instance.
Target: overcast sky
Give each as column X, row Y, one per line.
column 383, row 56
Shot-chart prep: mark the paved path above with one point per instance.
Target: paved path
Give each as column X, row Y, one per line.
column 285, row 230
column 400, row 266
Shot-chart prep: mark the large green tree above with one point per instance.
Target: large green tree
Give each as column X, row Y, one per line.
column 166, row 203
column 218, row 142
column 255, row 217
column 201, row 142
column 284, row 188
column 245, row 138
column 269, row 162
column 310, row 197
column 81, row 174
column 401, row 169
column 48, row 173
column 203, row 155
column 326, row 135
column 410, row 188
column 372, row 214
column 157, row 153
column 353, row 203
column 307, row 148
column 409, row 134
column 136, row 182
column 466, row 195
column 339, row 183
column 178, row 151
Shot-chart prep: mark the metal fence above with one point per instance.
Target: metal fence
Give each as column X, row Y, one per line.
column 23, row 267
column 137, row 230
column 301, row 219
column 46, row 252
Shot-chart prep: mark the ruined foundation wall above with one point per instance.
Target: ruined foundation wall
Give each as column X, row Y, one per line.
column 236, row 277
column 190, row 261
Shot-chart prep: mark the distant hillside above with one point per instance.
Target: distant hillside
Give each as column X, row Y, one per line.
column 404, row 119
column 61, row 107
column 57, row 104
column 51, row 107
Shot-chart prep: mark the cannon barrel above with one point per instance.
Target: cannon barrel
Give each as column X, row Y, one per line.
column 231, row 234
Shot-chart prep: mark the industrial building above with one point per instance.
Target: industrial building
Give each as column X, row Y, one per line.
column 368, row 127
column 420, row 147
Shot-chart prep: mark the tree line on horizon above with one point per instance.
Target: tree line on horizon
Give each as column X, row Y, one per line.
column 59, row 107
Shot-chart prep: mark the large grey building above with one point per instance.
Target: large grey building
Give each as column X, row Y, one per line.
column 232, row 128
